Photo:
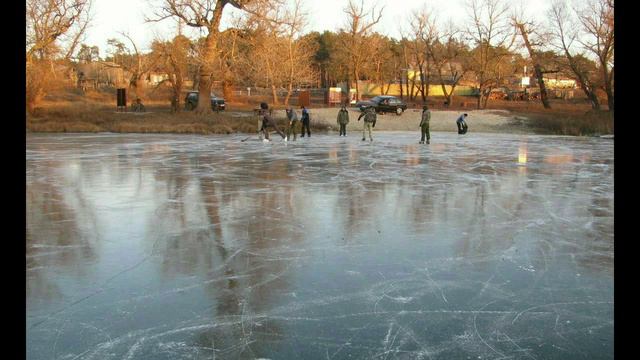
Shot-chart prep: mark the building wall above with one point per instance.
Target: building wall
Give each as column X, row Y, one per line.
column 560, row 83
column 101, row 74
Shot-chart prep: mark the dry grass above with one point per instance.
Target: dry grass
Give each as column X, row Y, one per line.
column 592, row 123
column 69, row 110
column 87, row 117
column 574, row 106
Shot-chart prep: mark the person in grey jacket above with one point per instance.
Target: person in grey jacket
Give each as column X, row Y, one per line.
column 424, row 124
column 370, row 118
column 292, row 116
column 343, row 120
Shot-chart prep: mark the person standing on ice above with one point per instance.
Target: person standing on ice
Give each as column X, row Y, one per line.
column 343, row 120
column 370, row 118
column 424, row 124
column 305, row 121
column 268, row 121
column 292, row 116
column 462, row 125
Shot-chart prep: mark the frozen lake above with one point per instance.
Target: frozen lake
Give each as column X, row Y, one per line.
column 483, row 246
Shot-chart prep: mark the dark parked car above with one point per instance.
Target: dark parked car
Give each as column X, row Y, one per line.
column 191, row 101
column 384, row 104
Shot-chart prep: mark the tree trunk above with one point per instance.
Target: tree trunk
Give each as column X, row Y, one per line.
column 227, row 90
column 36, row 84
column 206, row 73
column 450, row 95
column 543, row 89
column 140, row 89
column 536, row 66
column 289, row 91
column 195, row 78
column 584, row 83
column 34, row 99
column 412, row 94
column 274, row 93
column 291, row 74
column 349, row 85
column 607, row 86
column 208, row 57
column 610, row 102
column 427, row 80
column 356, row 77
column 406, row 70
column 447, row 95
column 421, row 87
column 593, row 98
column 401, row 87
column 178, row 91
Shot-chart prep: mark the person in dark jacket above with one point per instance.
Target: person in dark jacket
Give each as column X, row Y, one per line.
column 343, row 120
column 462, row 125
column 138, row 106
column 268, row 121
column 305, row 121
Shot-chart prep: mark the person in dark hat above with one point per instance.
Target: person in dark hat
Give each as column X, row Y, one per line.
column 305, row 122
column 268, row 121
column 462, row 124
column 343, row 120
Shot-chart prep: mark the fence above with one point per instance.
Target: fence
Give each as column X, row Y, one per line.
column 316, row 97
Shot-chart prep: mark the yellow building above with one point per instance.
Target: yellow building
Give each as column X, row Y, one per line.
column 369, row 89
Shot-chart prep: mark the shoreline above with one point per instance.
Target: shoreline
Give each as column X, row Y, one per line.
column 323, row 120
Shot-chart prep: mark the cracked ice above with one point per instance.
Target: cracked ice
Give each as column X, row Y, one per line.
column 205, row 247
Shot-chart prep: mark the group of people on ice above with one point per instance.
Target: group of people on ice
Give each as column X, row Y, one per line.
column 292, row 116
column 369, row 115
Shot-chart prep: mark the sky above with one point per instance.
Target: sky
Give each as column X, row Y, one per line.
column 110, row 17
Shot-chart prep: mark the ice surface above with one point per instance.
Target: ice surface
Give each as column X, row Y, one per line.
column 481, row 246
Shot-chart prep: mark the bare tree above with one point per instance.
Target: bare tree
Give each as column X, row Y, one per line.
column 77, row 33
column 564, row 34
column 138, row 65
column 88, row 54
column 492, row 37
column 202, row 14
column 264, row 43
column 382, row 60
column 533, row 40
column 450, row 58
column 357, row 28
column 172, row 58
column 598, row 38
column 298, row 53
column 420, row 43
column 279, row 57
column 228, row 64
column 47, row 21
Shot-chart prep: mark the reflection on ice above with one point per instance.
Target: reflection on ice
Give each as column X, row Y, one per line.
column 166, row 246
